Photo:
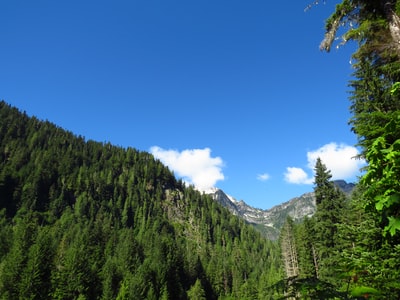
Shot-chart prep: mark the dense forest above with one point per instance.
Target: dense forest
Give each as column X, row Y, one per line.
column 88, row 220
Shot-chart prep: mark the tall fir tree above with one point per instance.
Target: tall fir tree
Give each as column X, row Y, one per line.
column 330, row 203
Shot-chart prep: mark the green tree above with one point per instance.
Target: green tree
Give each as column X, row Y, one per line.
column 35, row 278
column 330, row 203
column 361, row 263
column 72, row 275
column 5, row 234
column 308, row 260
column 196, row 292
column 374, row 24
column 14, row 263
column 382, row 178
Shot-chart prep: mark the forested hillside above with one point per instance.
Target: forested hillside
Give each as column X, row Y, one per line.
column 87, row 220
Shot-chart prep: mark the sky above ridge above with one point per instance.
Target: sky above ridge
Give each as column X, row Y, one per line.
column 227, row 93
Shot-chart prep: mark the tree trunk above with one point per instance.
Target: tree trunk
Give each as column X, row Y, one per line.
column 289, row 256
column 289, row 252
column 394, row 24
column 315, row 258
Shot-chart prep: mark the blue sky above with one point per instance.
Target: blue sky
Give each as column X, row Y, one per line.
column 227, row 93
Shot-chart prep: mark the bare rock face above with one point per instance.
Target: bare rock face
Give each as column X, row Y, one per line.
column 270, row 221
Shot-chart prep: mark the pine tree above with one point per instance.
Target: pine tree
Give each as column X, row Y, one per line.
column 13, row 265
column 196, row 292
column 35, row 281
column 330, row 205
column 308, row 262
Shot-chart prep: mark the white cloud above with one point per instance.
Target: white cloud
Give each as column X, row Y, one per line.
column 194, row 166
column 297, row 176
column 338, row 158
column 263, row 177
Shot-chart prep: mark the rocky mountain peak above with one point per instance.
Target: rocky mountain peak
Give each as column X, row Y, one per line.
column 270, row 221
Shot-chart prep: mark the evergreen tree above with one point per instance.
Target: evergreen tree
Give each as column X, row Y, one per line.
column 5, row 234
column 330, row 207
column 374, row 24
column 308, row 261
column 14, row 264
column 35, row 278
column 196, row 292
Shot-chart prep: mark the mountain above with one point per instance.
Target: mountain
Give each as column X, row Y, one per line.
column 347, row 188
column 270, row 221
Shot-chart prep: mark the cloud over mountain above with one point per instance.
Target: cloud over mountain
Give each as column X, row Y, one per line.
column 297, row 176
column 340, row 159
column 194, row 166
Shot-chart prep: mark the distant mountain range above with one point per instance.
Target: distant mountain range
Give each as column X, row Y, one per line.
column 270, row 221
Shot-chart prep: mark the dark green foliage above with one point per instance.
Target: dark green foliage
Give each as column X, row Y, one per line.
column 330, row 208
column 87, row 220
column 307, row 288
column 307, row 258
column 372, row 104
column 196, row 292
column 366, row 256
column 14, row 264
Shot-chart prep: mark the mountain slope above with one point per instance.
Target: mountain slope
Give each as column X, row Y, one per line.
column 117, row 222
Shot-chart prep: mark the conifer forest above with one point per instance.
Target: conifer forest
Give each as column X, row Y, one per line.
column 81, row 219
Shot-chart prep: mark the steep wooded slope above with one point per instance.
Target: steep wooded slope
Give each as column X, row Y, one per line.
column 88, row 220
